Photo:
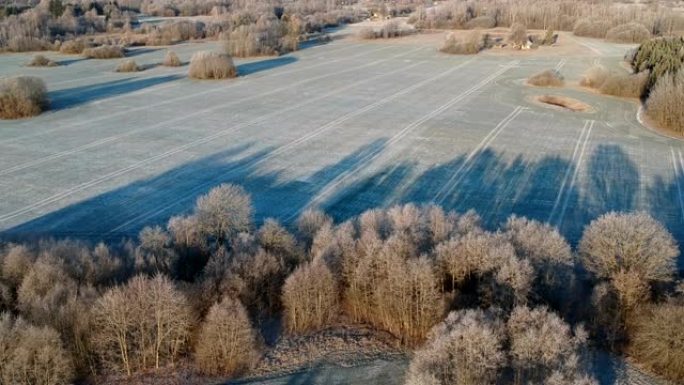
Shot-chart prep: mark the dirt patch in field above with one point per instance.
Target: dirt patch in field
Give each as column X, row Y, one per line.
column 563, row 102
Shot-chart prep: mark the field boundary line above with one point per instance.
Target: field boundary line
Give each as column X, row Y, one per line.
column 294, row 143
column 178, row 149
column 400, row 135
column 458, row 175
column 568, row 171
column 575, row 174
column 561, row 64
column 154, row 126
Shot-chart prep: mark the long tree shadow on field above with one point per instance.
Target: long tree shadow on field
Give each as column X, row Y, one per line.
column 544, row 189
column 72, row 97
column 124, row 211
column 666, row 198
column 264, row 65
column 494, row 185
column 491, row 185
column 612, row 184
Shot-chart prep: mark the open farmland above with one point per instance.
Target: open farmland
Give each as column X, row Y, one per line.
column 344, row 126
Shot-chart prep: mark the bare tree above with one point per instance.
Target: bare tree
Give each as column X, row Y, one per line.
column 549, row 254
column 308, row 224
column 658, row 340
column 636, row 243
column 16, row 264
column 258, row 280
column 227, row 343
column 223, row 212
column 44, row 289
column 32, row 355
column 310, row 298
column 155, row 254
column 542, row 345
column 472, row 254
column 275, row 239
column 142, row 325
column 465, row 349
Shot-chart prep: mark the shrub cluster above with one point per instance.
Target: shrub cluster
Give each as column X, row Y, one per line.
column 266, row 36
column 128, row 65
column 471, row 43
column 479, row 347
column 622, row 84
column 39, row 28
column 41, row 61
column 547, row 78
column 171, row 59
column 188, row 294
column 388, row 30
column 211, row 65
column 104, row 52
column 22, row 97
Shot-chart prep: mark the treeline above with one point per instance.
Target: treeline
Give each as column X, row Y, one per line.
column 250, row 27
column 613, row 20
column 195, row 294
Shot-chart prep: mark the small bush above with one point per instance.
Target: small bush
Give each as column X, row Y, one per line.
column 41, row 61
column 470, row 44
column 211, row 65
column 658, row 341
column 171, row 60
column 128, row 65
column 75, row 47
column 594, row 77
column 22, row 97
column 591, row 28
column 104, row 52
column 628, row 33
column 548, row 78
column 665, row 104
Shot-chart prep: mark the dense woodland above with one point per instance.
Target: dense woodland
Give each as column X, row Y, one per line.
column 516, row 304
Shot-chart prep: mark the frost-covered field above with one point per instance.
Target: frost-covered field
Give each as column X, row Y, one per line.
column 344, row 126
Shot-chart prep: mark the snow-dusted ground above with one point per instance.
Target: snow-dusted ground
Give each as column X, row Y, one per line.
column 344, row 126
column 607, row 370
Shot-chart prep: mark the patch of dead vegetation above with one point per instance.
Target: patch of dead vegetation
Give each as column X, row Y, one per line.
column 342, row 345
column 547, row 78
column 564, row 102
